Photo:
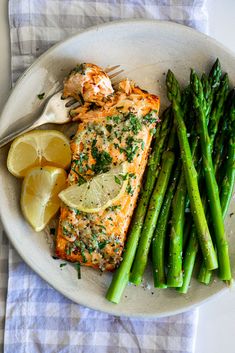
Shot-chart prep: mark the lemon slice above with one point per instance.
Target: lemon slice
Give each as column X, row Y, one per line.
column 40, row 147
column 39, row 196
column 98, row 193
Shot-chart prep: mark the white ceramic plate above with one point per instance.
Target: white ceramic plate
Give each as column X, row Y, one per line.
column 145, row 49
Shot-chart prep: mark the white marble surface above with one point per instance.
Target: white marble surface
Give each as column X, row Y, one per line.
column 216, row 329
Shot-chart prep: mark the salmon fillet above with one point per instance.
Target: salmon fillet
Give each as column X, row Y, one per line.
column 118, row 129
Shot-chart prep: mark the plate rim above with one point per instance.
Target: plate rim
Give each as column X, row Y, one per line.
column 113, row 24
column 6, row 226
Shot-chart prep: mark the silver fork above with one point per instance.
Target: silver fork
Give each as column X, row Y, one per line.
column 56, row 111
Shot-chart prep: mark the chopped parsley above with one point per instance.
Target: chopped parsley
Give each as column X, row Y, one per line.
column 150, row 118
column 131, row 148
column 63, row 264
column 78, row 69
column 65, row 231
column 76, row 211
column 116, row 119
column 41, row 95
column 117, row 180
column 135, row 123
column 129, row 190
column 132, row 175
column 79, row 162
column 103, row 159
column 124, row 176
column 102, row 245
column 68, row 249
column 83, row 249
column 109, row 127
column 78, row 268
column 81, row 180
column 114, row 208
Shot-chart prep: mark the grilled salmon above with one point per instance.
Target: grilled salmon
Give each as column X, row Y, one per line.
column 114, row 127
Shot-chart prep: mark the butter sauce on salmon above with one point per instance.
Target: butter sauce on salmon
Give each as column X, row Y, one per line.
column 114, row 127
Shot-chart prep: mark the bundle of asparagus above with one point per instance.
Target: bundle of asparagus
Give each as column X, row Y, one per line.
column 202, row 116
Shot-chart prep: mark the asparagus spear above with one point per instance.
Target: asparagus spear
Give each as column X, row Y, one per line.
column 192, row 250
column 208, row 94
column 189, row 259
column 229, row 178
column 191, row 175
column 190, row 231
column 159, row 238
column 175, row 275
column 211, row 184
column 153, row 211
column 229, row 167
column 224, row 128
column 215, row 75
column 204, row 275
column 121, row 275
column 210, row 86
column 158, row 242
column 218, row 109
column 227, row 183
column 193, row 245
column 227, row 186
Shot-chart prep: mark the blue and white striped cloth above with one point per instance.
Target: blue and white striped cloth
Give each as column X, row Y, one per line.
column 34, row 317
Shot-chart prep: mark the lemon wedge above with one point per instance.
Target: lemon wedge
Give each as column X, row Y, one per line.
column 98, row 193
column 39, row 147
column 39, row 196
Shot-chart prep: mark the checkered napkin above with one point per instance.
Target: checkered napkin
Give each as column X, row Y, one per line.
column 33, row 316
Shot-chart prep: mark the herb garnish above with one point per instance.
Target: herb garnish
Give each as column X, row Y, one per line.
column 113, row 208
column 109, row 127
column 63, row 264
column 135, row 123
column 131, row 148
column 41, row 95
column 103, row 159
column 150, row 118
column 102, row 244
column 117, row 180
column 78, row 69
column 78, row 268
column 116, row 119
column 83, row 157
column 129, row 190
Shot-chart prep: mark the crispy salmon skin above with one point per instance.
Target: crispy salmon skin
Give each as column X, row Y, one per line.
column 118, row 129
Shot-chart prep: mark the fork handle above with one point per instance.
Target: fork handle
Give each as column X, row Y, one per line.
column 15, row 134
